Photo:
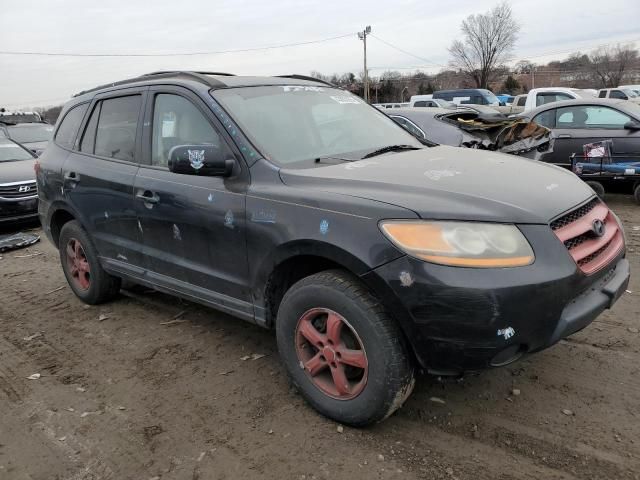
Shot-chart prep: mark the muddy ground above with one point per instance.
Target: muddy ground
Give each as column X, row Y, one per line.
column 150, row 387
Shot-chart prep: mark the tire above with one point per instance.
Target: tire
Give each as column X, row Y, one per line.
column 81, row 267
column 379, row 372
column 596, row 187
column 636, row 193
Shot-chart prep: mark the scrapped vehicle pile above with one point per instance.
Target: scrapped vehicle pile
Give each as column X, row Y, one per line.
column 495, row 132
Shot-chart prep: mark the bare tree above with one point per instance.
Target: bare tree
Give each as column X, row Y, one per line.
column 489, row 39
column 608, row 65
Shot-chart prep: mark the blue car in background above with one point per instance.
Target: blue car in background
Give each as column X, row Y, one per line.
column 505, row 98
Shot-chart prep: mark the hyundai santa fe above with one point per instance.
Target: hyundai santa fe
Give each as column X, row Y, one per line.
column 293, row 204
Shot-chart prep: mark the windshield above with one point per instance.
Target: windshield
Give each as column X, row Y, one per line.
column 10, row 152
column 20, row 117
column 31, row 133
column 290, row 124
column 490, row 98
column 630, row 93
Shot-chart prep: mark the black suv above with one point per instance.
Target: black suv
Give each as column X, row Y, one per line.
column 293, row 204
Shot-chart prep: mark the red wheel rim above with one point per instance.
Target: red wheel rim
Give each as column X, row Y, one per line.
column 78, row 264
column 331, row 353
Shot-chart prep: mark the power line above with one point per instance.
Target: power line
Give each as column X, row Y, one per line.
column 405, row 52
column 174, row 54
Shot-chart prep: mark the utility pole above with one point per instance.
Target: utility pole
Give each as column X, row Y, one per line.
column 363, row 36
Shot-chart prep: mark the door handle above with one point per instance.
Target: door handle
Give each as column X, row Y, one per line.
column 564, row 135
column 72, row 176
column 148, row 196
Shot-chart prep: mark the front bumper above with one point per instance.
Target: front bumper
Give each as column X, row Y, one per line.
column 15, row 210
column 465, row 319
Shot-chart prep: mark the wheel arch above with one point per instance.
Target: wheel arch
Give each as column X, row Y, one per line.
column 60, row 214
column 293, row 261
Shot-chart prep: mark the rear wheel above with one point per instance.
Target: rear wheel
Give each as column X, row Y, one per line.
column 597, row 187
column 81, row 267
column 345, row 355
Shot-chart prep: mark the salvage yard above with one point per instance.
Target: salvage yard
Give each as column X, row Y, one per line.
column 150, row 387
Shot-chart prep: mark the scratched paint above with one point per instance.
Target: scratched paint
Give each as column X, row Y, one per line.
column 106, row 215
column 439, row 174
column 507, row 333
column 263, row 216
column 552, row 186
column 176, row 233
column 406, row 280
column 211, row 198
column 228, row 219
column 324, row 227
column 140, row 227
column 360, row 164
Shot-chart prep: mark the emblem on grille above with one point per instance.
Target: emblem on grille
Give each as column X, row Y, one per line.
column 598, row 227
column 24, row 188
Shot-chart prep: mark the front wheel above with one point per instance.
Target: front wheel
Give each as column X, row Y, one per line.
column 342, row 351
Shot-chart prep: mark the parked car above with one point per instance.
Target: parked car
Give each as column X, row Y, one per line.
column 471, row 128
column 635, row 88
column 18, row 194
column 619, row 94
column 383, row 106
column 20, row 117
column 293, row 204
column 505, row 98
column 34, row 136
column 542, row 96
column 416, row 101
column 576, row 123
column 476, row 96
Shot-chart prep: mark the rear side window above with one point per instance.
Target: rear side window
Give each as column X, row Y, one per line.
column 68, row 129
column 522, row 101
column 546, row 119
column 602, row 94
column 115, row 135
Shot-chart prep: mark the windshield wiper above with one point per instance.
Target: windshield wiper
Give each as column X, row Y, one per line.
column 320, row 159
column 390, row 148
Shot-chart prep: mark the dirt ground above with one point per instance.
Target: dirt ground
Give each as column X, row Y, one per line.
column 148, row 387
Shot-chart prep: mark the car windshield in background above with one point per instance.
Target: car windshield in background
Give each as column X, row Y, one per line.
column 630, row 93
column 20, row 118
column 290, row 124
column 490, row 98
column 10, row 152
column 31, row 133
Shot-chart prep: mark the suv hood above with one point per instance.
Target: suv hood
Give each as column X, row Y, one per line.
column 18, row 171
column 453, row 183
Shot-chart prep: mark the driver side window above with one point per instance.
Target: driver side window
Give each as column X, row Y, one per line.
column 177, row 121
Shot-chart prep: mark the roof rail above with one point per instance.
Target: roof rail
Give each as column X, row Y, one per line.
column 198, row 76
column 305, row 77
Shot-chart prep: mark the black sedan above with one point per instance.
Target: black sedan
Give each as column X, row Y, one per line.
column 576, row 123
column 18, row 192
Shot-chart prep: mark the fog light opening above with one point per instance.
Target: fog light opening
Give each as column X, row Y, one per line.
column 508, row 355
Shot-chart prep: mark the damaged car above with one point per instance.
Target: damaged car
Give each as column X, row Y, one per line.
column 476, row 128
column 295, row 205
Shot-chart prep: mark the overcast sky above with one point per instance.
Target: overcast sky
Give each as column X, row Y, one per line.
column 424, row 28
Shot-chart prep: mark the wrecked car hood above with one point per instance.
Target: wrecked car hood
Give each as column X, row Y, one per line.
column 497, row 132
column 453, row 183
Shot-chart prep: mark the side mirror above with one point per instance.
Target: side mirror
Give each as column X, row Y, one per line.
column 632, row 125
column 205, row 160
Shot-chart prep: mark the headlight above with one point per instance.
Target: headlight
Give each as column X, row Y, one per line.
column 462, row 244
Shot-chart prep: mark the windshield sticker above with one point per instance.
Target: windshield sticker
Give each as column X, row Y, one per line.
column 298, row 88
column 344, row 99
